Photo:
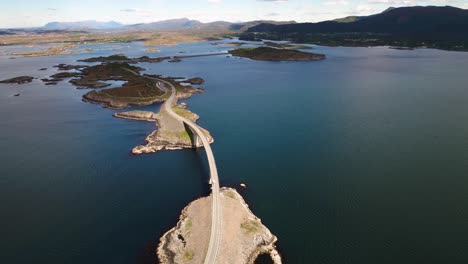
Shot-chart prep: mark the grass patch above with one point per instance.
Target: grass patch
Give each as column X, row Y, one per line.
column 188, row 255
column 182, row 135
column 183, row 113
column 230, row 194
column 188, row 225
column 251, row 226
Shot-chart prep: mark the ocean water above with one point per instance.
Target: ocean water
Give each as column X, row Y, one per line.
column 360, row 158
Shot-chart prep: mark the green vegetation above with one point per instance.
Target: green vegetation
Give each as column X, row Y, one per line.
column 348, row 19
column 251, row 226
column 230, row 194
column 180, row 135
column 111, row 58
column 188, row 225
column 184, row 113
column 188, row 255
column 138, row 90
column 429, row 27
column 272, row 54
column 364, row 39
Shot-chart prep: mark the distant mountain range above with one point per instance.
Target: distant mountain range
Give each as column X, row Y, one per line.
column 404, row 20
column 79, row 25
column 171, row 24
column 430, row 26
column 166, row 24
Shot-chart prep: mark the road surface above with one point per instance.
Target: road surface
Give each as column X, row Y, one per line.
column 215, row 235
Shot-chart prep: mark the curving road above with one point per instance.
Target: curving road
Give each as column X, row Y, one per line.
column 215, row 236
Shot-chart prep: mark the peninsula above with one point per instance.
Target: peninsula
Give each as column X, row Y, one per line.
column 275, row 54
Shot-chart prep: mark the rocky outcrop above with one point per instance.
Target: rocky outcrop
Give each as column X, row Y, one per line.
column 68, row 67
column 84, row 84
column 244, row 237
column 137, row 115
column 18, row 80
column 63, row 75
column 196, row 81
column 171, row 133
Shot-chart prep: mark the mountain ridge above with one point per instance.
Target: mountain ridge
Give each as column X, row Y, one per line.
column 395, row 20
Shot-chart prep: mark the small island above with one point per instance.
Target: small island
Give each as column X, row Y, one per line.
column 123, row 58
column 244, row 236
column 274, row 54
column 18, row 80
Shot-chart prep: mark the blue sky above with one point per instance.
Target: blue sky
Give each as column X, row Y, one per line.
column 27, row 13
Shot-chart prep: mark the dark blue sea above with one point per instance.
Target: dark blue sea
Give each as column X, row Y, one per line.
column 360, row 158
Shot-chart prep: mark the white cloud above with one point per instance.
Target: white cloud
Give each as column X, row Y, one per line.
column 363, row 10
column 129, row 10
column 274, row 1
column 412, row 2
column 394, row 2
column 336, row 3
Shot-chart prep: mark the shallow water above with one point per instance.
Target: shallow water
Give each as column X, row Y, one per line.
column 361, row 158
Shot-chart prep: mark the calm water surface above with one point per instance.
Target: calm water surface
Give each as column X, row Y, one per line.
column 361, row 158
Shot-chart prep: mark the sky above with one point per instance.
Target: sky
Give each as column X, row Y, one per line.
column 33, row 13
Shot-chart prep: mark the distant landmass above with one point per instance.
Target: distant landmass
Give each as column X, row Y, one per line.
column 438, row 27
column 246, row 25
column 167, row 24
column 404, row 28
column 170, row 24
column 88, row 24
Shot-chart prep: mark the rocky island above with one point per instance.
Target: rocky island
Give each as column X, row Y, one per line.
column 123, row 58
column 18, row 80
column 244, row 236
column 275, row 54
